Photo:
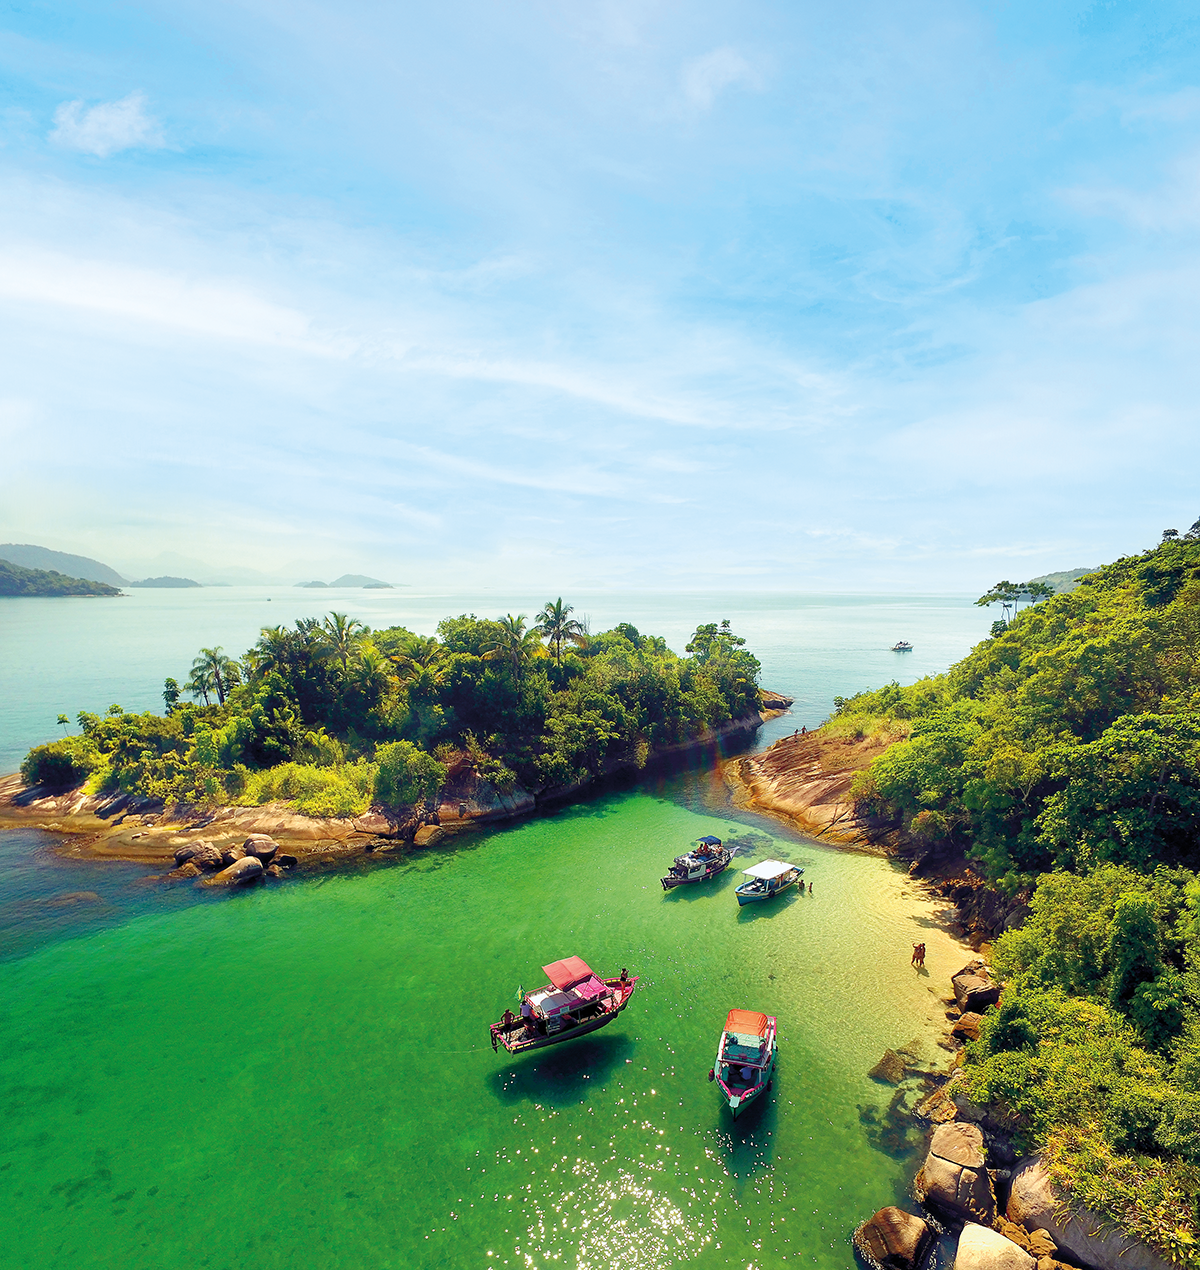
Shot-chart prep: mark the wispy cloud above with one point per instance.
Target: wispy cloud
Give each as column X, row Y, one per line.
column 107, row 128
column 705, row 78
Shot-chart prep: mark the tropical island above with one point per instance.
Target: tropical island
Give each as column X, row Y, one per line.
column 166, row 582
column 15, row 580
column 489, row 716
column 1061, row 758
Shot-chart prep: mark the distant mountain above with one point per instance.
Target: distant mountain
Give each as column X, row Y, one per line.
column 165, row 582
column 30, row 557
column 14, row 580
column 352, row 579
column 1065, row 580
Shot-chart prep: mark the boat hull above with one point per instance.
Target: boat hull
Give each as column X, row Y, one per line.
column 738, row 1099
column 519, row 1037
column 757, row 897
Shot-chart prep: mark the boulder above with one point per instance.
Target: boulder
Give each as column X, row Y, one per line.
column 981, row 1248
column 376, row 824
column 207, row 857
column 428, row 835
column 893, row 1239
column 286, row 861
column 188, row 869
column 274, row 871
column 938, row 1107
column 247, row 869
column 184, row 854
column 966, row 1028
column 975, row 992
column 954, row 1176
column 890, row 1068
column 229, row 854
column 261, row 846
column 1083, row 1234
column 956, row 1091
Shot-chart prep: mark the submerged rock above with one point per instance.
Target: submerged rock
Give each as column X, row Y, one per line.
column 982, row 1248
column 893, row 1239
column 954, row 1176
column 890, row 1068
column 247, row 869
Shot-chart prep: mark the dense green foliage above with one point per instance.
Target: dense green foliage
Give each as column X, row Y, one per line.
column 1063, row 756
column 15, row 580
column 333, row 715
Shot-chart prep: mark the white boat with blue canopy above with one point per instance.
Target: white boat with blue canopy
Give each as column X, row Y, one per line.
column 766, row 880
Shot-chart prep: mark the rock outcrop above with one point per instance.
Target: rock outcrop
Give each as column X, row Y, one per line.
column 889, row 1068
column 1034, row 1204
column 982, row 1248
column 974, row 988
column 239, row 873
column 954, row 1176
column 261, row 846
column 894, row 1239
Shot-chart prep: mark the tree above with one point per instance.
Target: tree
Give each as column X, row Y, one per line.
column 63, row 722
column 1168, row 534
column 170, row 695
column 343, row 635
column 213, row 672
column 418, row 653
column 555, row 624
column 713, row 641
column 406, row 774
column 513, row 642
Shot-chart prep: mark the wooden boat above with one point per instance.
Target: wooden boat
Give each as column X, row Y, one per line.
column 767, row 879
column 902, row 646
column 574, row 1003
column 705, row 860
column 746, row 1053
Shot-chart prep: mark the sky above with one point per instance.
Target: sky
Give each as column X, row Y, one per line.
column 609, row 293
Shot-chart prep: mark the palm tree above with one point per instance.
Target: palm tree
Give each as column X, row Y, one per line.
column 343, row 635
column 513, row 642
column 556, row 625
column 418, row 653
column 200, row 682
column 212, row 667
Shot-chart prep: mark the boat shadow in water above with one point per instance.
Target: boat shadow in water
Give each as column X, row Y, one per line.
column 561, row 1075
column 707, row 888
column 747, row 1144
column 765, row 908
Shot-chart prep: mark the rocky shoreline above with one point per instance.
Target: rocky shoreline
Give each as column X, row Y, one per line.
column 131, row 828
column 1001, row 1209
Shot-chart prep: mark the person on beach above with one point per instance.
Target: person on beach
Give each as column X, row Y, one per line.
column 810, row 888
column 804, row 730
column 918, row 957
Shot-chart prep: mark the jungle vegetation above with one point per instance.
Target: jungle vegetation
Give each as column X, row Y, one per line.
column 335, row 716
column 1063, row 757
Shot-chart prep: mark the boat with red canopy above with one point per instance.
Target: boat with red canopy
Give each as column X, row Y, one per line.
column 745, row 1058
column 575, row 1001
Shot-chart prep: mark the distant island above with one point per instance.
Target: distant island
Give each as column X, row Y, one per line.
column 349, row 579
column 166, row 582
column 28, row 556
column 14, row 580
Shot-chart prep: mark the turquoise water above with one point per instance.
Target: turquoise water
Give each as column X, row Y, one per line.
column 301, row 1076
column 60, row 656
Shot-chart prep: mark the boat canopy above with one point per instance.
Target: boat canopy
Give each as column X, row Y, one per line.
column 568, row 972
column 768, row 869
column 746, row 1022
column 709, row 841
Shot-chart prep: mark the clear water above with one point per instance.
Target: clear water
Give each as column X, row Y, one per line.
column 300, row 1076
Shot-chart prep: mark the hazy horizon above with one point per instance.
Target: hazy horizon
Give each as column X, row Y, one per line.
column 750, row 296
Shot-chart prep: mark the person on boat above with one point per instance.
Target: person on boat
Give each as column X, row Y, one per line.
column 508, row 1020
column 624, row 977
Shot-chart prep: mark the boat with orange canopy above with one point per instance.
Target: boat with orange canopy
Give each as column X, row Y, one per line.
column 575, row 1002
column 746, row 1054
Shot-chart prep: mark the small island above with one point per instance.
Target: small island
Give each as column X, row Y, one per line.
column 16, row 581
column 166, row 583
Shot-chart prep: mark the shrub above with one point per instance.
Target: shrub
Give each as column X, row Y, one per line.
column 316, row 791
column 60, row 764
column 406, row 775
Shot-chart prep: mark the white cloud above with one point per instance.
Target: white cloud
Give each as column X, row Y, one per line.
column 105, row 129
column 706, row 77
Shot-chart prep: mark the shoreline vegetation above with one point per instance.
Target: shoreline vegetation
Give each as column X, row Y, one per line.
column 15, row 580
column 338, row 740
column 1049, row 784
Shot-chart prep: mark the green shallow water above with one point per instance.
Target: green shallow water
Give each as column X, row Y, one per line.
column 301, row 1076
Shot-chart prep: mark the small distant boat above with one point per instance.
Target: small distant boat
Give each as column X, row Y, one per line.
column 574, row 1003
column 767, row 880
column 902, row 646
column 705, row 860
column 745, row 1062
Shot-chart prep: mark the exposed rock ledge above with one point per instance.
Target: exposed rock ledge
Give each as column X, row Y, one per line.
column 125, row 827
column 806, row 781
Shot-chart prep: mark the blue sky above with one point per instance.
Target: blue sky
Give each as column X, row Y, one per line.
column 602, row 293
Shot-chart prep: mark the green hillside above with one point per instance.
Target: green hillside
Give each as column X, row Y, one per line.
column 28, row 556
column 1063, row 757
column 17, row 581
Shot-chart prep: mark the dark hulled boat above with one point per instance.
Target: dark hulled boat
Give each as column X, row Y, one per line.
column 574, row 1003
column 705, row 860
